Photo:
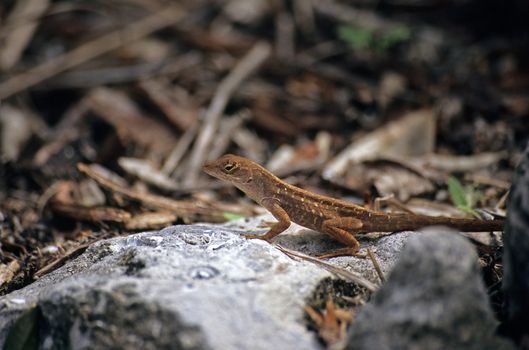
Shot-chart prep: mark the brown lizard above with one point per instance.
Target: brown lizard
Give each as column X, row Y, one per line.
column 337, row 218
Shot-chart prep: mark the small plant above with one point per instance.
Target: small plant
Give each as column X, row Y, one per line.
column 231, row 216
column 464, row 198
column 363, row 38
column 356, row 37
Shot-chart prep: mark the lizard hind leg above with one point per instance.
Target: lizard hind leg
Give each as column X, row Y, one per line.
column 342, row 230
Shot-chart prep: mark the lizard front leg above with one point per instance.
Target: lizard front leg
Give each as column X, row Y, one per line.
column 342, row 230
column 283, row 220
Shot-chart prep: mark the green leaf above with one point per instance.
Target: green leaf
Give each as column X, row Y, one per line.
column 232, row 216
column 23, row 335
column 464, row 198
column 457, row 193
column 357, row 37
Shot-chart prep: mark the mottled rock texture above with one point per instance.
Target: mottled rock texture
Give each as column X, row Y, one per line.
column 185, row 287
column 434, row 299
column 516, row 256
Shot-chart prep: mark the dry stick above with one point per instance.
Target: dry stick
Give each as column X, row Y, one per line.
column 304, row 16
column 92, row 214
column 91, row 50
column 88, row 78
column 7, row 272
column 376, row 265
column 17, row 39
column 253, row 147
column 285, row 35
column 345, row 274
column 182, row 208
column 145, row 171
column 55, row 264
column 186, row 208
column 158, row 92
column 180, row 149
column 226, row 132
column 253, row 59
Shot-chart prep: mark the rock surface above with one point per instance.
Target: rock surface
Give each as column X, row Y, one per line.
column 434, row 299
column 386, row 247
column 516, row 255
column 185, row 287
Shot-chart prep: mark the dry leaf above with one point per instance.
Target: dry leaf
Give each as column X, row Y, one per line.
column 396, row 139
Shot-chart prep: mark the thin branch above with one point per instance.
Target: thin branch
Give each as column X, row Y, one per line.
column 253, row 59
column 91, row 50
column 226, row 132
column 180, row 149
column 22, row 31
column 376, row 265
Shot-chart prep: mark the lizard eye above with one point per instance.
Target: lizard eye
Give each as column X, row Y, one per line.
column 229, row 167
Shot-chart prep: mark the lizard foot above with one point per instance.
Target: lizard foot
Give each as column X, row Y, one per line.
column 267, row 224
column 342, row 252
column 254, row 236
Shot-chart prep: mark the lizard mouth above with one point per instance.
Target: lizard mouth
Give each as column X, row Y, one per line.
column 209, row 168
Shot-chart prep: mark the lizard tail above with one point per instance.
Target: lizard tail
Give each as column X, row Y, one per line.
column 396, row 222
column 464, row 225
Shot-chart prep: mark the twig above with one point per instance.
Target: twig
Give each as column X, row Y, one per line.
column 180, row 149
column 489, row 181
column 226, row 132
column 304, row 16
column 347, row 275
column 91, row 50
column 159, row 92
column 48, row 194
column 20, row 34
column 186, row 209
column 285, row 35
column 94, row 77
column 450, row 163
column 63, row 259
column 130, row 122
column 251, row 145
column 253, row 59
column 376, row 265
column 150, row 220
column 7, row 272
column 144, row 170
column 92, row 214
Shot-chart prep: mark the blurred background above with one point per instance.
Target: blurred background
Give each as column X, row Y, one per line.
column 108, row 110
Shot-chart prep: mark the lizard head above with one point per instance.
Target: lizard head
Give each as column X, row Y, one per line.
column 231, row 168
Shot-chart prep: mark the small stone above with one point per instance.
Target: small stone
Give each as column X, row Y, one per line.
column 434, row 299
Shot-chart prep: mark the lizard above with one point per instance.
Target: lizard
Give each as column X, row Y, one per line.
column 339, row 219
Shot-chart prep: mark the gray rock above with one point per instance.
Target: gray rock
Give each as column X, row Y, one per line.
column 434, row 299
column 185, row 287
column 516, row 255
